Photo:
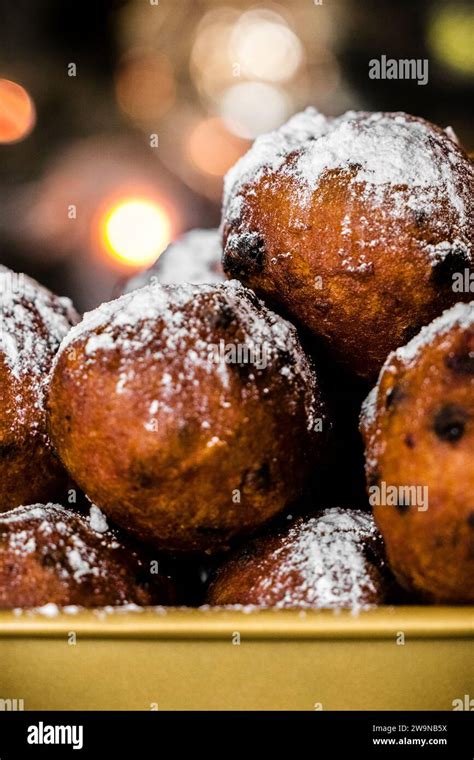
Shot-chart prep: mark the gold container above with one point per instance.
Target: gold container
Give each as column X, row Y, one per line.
column 405, row 658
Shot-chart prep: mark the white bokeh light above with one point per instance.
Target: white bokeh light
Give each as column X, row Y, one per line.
column 251, row 108
column 265, row 47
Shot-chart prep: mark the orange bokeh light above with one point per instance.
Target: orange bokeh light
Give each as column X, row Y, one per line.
column 145, row 86
column 17, row 112
column 212, row 149
column 134, row 231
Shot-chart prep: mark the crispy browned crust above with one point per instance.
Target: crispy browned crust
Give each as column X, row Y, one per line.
column 29, row 469
column 224, row 460
column 279, row 248
column 50, row 555
column 274, row 571
column 419, row 430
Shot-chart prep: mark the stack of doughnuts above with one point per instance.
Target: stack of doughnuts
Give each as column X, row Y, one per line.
column 203, row 412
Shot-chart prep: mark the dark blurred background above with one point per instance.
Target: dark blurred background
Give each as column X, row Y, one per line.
column 119, row 118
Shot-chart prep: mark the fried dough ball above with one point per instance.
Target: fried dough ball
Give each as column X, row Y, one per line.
column 194, row 257
column 332, row 560
column 418, row 425
column 51, row 555
column 354, row 226
column 33, row 322
column 188, row 413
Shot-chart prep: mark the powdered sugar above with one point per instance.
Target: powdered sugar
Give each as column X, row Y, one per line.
column 61, row 532
column 195, row 257
column 386, row 150
column 169, row 324
column 321, row 562
column 80, row 564
column 421, row 167
column 437, row 252
column 369, row 407
column 52, row 554
column 452, row 135
column 52, row 610
column 33, row 322
column 32, row 512
column 97, row 520
column 459, row 316
column 97, row 342
column 49, row 610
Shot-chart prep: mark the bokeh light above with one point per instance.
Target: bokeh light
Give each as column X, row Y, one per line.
column 212, row 149
column 135, row 231
column 251, row 108
column 17, row 112
column 247, row 66
column 211, row 61
column 145, row 85
column 451, row 37
column 265, row 47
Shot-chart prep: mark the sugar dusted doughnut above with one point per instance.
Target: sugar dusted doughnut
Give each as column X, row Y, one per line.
column 418, row 425
column 50, row 555
column 354, row 226
column 332, row 560
column 189, row 414
column 33, row 322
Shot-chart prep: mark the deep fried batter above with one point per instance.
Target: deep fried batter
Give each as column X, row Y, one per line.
column 418, row 425
column 354, row 226
column 51, row 555
column 189, row 414
column 332, row 560
column 33, row 322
